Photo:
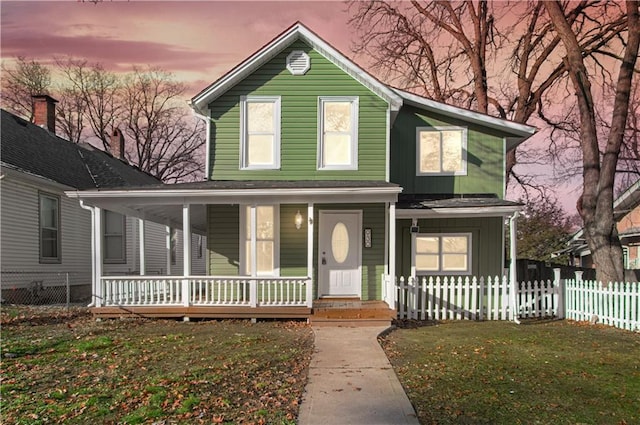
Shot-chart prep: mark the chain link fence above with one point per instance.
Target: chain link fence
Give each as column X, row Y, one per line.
column 42, row 288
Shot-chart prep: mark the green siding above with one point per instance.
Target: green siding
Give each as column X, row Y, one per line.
column 223, row 243
column 293, row 242
column 485, row 162
column 299, row 116
column 223, row 239
column 486, row 239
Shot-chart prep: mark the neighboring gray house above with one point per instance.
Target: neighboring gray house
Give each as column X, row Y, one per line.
column 45, row 235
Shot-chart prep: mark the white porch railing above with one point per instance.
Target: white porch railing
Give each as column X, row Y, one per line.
column 205, row 291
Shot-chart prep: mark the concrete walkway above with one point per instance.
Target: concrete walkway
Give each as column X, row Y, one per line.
column 351, row 381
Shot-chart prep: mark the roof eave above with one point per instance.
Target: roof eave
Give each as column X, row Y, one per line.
column 520, row 132
column 459, row 212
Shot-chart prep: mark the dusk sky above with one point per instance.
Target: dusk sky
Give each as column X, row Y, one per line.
column 197, row 41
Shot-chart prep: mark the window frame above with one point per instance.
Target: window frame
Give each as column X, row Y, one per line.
column 440, row 271
column 58, row 258
column 246, row 238
column 244, row 132
column 173, row 246
column 440, row 129
column 123, row 227
column 355, row 105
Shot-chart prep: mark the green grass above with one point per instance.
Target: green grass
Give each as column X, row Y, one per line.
column 79, row 371
column 467, row 372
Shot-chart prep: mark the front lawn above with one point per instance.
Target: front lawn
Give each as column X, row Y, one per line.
column 501, row 373
column 76, row 370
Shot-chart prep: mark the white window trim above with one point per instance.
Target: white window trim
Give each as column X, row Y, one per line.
column 276, row 239
column 244, row 132
column 58, row 258
column 354, row 100
column 463, row 172
column 123, row 259
column 441, row 272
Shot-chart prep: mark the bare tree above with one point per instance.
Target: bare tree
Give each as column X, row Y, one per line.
column 70, row 114
column 452, row 51
column 599, row 168
column 96, row 90
column 21, row 82
column 167, row 140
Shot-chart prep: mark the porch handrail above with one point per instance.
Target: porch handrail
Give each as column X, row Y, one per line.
column 207, row 290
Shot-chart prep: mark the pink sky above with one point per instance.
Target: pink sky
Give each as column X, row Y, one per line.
column 197, row 41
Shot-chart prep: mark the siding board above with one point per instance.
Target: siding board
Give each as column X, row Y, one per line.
column 299, row 115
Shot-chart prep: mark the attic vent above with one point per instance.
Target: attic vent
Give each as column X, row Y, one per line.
column 298, row 62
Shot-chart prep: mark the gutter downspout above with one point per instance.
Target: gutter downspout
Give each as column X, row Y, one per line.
column 207, row 121
column 93, row 250
column 512, row 266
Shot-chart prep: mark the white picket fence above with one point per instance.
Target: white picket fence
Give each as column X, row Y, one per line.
column 473, row 298
column 617, row 304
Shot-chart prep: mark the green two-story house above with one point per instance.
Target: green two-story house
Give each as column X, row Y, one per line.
column 321, row 183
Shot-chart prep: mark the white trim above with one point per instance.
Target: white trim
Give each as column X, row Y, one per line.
column 268, row 52
column 186, row 240
column 522, row 131
column 355, row 106
column 244, row 132
column 439, row 130
column 310, row 241
column 253, row 237
column 97, row 250
column 387, row 171
column 440, row 271
column 503, row 211
column 233, row 196
column 142, row 238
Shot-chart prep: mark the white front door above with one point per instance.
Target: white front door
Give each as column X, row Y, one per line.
column 339, row 254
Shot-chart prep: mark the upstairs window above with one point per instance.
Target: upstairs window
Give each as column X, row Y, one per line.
column 338, row 133
column 441, row 150
column 442, row 253
column 260, row 132
column 114, row 226
column 49, row 228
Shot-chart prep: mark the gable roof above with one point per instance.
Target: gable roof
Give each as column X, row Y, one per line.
column 627, row 201
column 519, row 132
column 31, row 149
column 295, row 32
column 395, row 97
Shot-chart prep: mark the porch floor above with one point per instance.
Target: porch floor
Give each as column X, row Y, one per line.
column 344, row 311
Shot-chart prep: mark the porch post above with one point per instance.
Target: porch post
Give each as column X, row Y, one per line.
column 310, row 243
column 391, row 283
column 142, row 246
column 186, row 250
column 513, row 278
column 168, row 248
column 253, row 284
column 97, row 251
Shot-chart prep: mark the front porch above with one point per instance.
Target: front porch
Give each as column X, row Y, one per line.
column 224, row 297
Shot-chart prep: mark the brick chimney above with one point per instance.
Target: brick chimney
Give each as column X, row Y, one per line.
column 117, row 143
column 44, row 112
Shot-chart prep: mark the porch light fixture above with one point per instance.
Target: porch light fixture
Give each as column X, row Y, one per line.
column 298, row 220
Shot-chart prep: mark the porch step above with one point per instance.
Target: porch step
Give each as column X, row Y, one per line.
column 346, row 312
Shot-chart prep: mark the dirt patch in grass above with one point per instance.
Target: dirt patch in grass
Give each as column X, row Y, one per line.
column 503, row 373
column 132, row 371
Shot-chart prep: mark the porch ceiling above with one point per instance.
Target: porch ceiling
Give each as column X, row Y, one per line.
column 163, row 203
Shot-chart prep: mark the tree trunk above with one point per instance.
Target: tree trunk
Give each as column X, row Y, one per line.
column 596, row 202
